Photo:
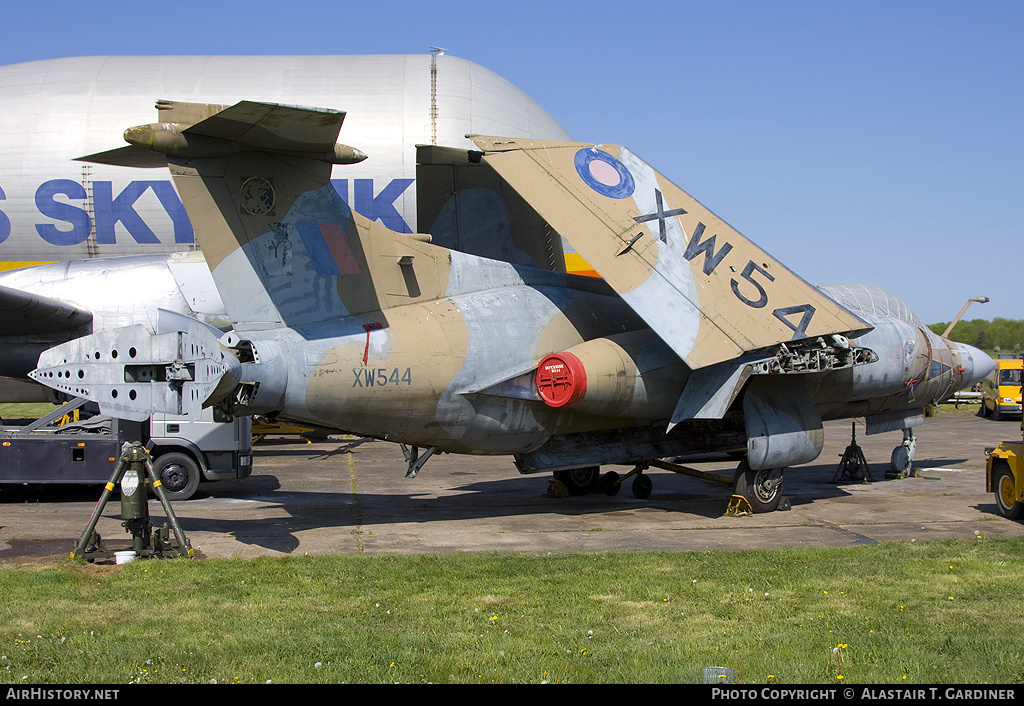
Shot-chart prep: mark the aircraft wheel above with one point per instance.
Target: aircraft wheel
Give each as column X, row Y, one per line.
column 900, row 461
column 178, row 474
column 579, row 481
column 762, row 489
column 642, row 486
column 609, row 484
column 1006, row 499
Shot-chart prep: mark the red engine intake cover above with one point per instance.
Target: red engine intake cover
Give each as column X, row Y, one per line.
column 561, row 380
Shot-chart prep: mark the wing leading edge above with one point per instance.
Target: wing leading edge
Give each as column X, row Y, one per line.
column 710, row 293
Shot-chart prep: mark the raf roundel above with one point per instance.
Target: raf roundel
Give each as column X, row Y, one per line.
column 604, row 174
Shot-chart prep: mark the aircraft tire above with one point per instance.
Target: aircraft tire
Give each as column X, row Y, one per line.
column 1004, row 485
column 178, row 474
column 579, row 481
column 757, row 487
column 642, row 486
column 899, row 462
column 609, row 484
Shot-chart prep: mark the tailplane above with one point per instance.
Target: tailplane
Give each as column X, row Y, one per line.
column 284, row 248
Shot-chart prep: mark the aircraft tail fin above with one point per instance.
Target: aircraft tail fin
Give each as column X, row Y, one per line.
column 284, row 248
column 710, row 293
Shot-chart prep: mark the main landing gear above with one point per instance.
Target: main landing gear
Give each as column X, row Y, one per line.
column 760, row 490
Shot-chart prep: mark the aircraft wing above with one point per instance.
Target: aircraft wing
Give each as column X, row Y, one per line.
column 24, row 313
column 707, row 291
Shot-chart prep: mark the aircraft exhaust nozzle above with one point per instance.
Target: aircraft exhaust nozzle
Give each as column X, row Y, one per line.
column 629, row 375
column 131, row 373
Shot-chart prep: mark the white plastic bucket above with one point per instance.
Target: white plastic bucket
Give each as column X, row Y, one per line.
column 124, row 557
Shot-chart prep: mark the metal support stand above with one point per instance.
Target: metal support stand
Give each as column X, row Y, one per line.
column 853, row 466
column 133, row 472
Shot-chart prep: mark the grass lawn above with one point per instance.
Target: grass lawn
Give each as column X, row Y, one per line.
column 895, row 613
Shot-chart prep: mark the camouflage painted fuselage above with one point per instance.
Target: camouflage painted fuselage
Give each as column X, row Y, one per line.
column 443, row 373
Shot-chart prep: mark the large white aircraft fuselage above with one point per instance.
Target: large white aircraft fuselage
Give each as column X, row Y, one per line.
column 53, row 208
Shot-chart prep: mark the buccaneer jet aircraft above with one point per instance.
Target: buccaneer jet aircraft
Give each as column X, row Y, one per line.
column 694, row 339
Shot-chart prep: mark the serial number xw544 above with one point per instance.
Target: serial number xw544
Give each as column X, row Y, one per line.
column 381, row 377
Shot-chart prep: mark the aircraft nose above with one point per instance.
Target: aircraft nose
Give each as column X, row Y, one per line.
column 976, row 363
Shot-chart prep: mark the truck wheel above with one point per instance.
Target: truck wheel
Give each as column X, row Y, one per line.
column 579, row 481
column 1006, row 495
column 178, row 474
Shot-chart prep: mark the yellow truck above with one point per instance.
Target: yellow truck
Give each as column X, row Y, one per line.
column 1004, row 465
column 1000, row 391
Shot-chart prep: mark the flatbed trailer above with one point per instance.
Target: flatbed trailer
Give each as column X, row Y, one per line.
column 183, row 453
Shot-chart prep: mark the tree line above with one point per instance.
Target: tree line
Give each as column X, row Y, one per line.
column 995, row 337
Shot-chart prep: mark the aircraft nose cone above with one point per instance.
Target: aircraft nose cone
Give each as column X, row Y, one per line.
column 976, row 363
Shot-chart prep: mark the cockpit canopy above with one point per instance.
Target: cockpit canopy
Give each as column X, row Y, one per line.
column 874, row 301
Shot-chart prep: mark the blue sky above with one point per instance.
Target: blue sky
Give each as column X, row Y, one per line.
column 874, row 142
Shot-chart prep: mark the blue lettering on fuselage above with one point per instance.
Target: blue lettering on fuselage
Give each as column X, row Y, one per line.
column 81, row 224
column 110, row 211
column 56, row 199
column 5, row 222
column 377, row 208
